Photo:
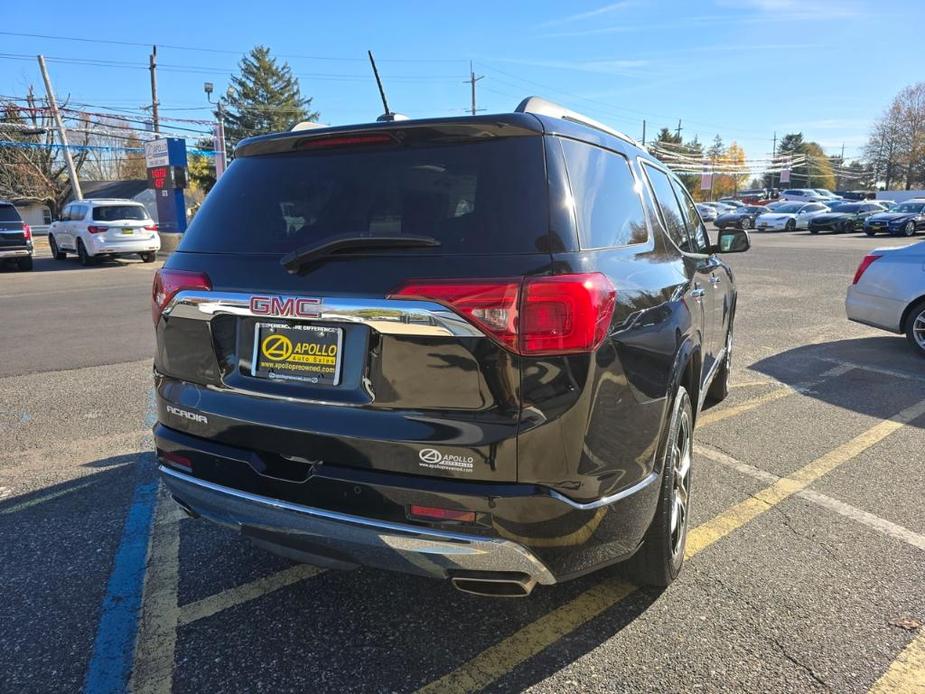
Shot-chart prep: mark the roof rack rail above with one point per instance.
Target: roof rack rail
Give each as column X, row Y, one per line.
column 541, row 107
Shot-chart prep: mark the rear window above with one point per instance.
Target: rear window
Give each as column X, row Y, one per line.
column 8, row 213
column 114, row 213
column 474, row 197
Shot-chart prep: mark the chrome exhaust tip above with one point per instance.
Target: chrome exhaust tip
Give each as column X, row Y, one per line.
column 494, row 585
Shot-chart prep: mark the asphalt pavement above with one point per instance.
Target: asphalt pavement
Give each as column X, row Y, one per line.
column 805, row 565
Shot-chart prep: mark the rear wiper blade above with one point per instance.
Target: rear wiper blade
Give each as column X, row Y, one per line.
column 297, row 260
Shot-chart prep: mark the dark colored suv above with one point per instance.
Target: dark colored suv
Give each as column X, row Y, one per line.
column 15, row 237
column 469, row 348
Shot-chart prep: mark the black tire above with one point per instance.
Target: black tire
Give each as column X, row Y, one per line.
column 85, row 258
column 56, row 252
column 148, row 257
column 719, row 387
column 915, row 326
column 791, row 225
column 745, row 223
column 909, row 229
column 658, row 561
column 25, row 264
column 813, row 231
column 870, row 232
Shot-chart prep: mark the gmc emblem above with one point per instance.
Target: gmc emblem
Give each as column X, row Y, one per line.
column 279, row 306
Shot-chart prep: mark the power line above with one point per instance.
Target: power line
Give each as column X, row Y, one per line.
column 226, row 51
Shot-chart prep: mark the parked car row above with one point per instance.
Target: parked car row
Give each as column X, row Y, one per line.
column 835, row 216
column 104, row 228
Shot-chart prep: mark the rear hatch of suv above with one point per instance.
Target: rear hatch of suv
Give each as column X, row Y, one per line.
column 121, row 222
column 292, row 329
column 12, row 229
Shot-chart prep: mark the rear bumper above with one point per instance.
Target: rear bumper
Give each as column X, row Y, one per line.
column 875, row 311
column 15, row 252
column 343, row 540
column 335, row 515
column 102, row 246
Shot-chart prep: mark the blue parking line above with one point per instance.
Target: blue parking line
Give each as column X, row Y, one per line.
column 111, row 661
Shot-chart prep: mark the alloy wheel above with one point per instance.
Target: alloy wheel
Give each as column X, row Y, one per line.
column 918, row 330
column 910, row 228
column 680, row 491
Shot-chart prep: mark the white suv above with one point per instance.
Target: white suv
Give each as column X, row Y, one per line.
column 802, row 195
column 104, row 228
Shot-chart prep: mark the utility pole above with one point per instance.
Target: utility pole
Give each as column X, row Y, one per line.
column 219, row 135
column 678, row 131
column 152, row 66
column 643, row 132
column 471, row 81
column 773, row 161
column 52, row 102
column 712, row 169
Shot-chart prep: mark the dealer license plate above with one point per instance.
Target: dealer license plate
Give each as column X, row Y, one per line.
column 128, row 231
column 307, row 353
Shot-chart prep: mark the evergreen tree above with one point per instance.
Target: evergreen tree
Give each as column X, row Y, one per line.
column 263, row 98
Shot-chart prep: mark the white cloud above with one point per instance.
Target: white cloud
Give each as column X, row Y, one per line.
column 605, row 10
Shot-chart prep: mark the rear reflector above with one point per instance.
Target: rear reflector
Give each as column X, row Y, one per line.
column 177, row 460
column 561, row 314
column 27, row 232
column 440, row 514
column 97, row 229
column 862, row 268
column 167, row 283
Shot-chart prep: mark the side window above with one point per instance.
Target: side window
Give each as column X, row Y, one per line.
column 670, row 210
column 65, row 213
column 76, row 213
column 694, row 224
column 606, row 197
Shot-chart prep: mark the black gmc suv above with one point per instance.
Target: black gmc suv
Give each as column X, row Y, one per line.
column 470, row 348
column 15, row 237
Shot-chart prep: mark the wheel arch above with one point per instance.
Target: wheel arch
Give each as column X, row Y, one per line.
column 907, row 312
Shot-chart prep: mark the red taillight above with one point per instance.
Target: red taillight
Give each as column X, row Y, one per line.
column 151, row 227
column 440, row 514
column 168, row 282
column 345, row 141
column 536, row 315
column 97, row 230
column 27, row 232
column 862, row 268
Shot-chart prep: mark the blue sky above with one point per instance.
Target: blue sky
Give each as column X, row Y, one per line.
column 741, row 68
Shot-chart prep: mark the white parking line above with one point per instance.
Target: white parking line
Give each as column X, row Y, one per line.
column 875, row 369
column 871, row 520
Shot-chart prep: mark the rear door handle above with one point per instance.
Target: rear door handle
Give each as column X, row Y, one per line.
column 697, row 293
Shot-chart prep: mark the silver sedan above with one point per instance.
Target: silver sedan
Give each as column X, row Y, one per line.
column 888, row 292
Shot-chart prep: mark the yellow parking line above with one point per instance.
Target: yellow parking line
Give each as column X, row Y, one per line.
column 530, row 640
column 156, row 642
column 501, row 658
column 713, row 416
column 906, row 674
column 244, row 593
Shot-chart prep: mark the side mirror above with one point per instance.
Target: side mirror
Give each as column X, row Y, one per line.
column 733, row 241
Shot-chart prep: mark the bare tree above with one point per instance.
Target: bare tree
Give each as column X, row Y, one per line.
column 884, row 148
column 911, row 104
column 31, row 163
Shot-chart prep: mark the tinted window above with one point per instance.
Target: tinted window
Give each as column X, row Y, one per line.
column 910, row 207
column 8, row 213
column 694, row 223
column 609, row 208
column 670, row 210
column 77, row 212
column 474, row 197
column 112, row 213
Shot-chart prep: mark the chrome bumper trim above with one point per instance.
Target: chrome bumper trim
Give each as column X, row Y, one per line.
column 387, row 316
column 367, row 541
column 15, row 254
